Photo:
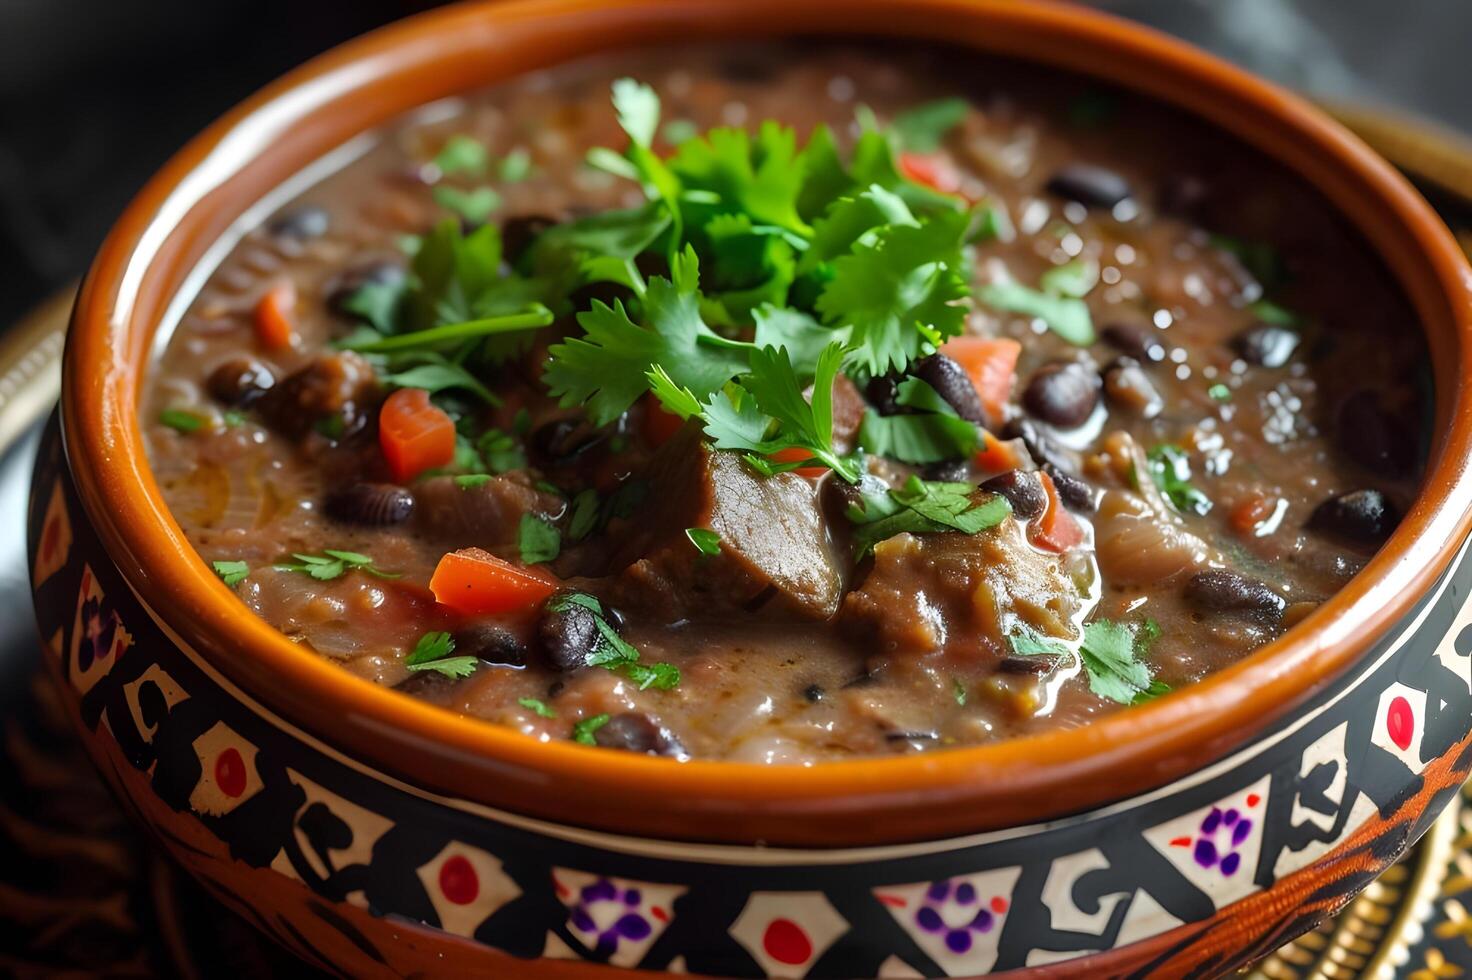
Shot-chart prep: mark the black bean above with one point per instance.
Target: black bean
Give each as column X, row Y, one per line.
column 911, row 736
column 1372, row 437
column 382, row 272
column 1063, row 394
column 428, row 685
column 491, row 644
column 567, row 633
column 1075, row 493
column 1266, row 344
column 1363, row 516
column 947, row 471
column 1141, row 343
column 1039, row 446
column 370, row 504
column 1220, row 590
column 1022, row 490
column 614, row 618
column 239, row 381
column 813, row 692
column 518, row 234
column 308, row 221
column 561, row 441
column 882, row 392
column 634, row 731
column 1128, row 387
column 952, row 383
column 1088, row 184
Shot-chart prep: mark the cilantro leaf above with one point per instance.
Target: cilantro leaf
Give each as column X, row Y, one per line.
column 706, row 541
column 474, row 206
column 803, row 337
column 607, row 369
column 462, row 154
column 333, row 564
column 613, row 652
column 927, row 508
column 180, row 420
column 537, row 706
column 922, row 128
column 1170, row 469
column 469, row 481
column 432, row 652
column 538, row 540
column 958, row 691
column 638, row 110
column 1109, row 657
column 583, row 730
column 760, row 178
column 1075, row 278
column 500, row 451
column 932, row 435
column 439, row 377
column 897, row 293
column 232, row 573
column 1066, row 316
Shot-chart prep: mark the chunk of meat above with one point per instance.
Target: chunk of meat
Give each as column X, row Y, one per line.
column 775, row 547
column 482, row 516
column 963, row 593
column 1139, row 545
column 341, row 386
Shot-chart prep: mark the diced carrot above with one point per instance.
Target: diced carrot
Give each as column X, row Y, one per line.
column 413, row 434
column 991, row 363
column 659, row 426
column 1055, row 530
column 477, row 583
column 931, row 169
column 794, row 454
column 994, row 455
column 1250, row 512
column 273, row 315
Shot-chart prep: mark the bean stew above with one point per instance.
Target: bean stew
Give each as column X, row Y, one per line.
column 790, row 402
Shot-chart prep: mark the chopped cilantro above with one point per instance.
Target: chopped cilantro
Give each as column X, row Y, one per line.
column 233, row 418
column 332, row 564
column 232, row 573
column 613, row 652
column 585, row 513
column 537, row 706
column 516, row 166
column 330, row 426
column 469, row 481
column 1109, row 653
column 538, row 540
column 583, row 730
column 1170, row 468
column 923, row 128
column 1067, row 316
column 921, row 507
column 1269, row 312
column 958, row 691
column 180, row 420
column 435, row 377
column 706, row 541
column 1219, row 392
column 1260, row 259
column 432, row 652
column 474, row 206
column 462, row 154
column 1075, row 278
column 932, row 434
column 501, row 452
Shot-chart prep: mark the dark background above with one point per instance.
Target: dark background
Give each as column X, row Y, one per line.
column 96, row 94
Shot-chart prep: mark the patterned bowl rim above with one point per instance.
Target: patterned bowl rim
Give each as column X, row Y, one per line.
column 288, row 132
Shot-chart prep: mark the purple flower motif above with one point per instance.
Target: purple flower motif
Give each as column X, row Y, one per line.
column 958, row 939
column 631, row 926
column 1226, row 859
column 99, row 626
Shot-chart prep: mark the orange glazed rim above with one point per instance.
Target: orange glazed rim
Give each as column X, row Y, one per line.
column 168, row 228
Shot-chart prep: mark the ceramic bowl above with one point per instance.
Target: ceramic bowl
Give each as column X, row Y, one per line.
column 377, row 835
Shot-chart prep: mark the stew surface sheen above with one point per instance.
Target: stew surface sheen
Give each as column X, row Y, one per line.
column 1176, row 403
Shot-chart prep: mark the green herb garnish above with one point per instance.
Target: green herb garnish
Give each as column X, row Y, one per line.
column 332, row 564
column 232, row 573
column 706, row 541
column 583, row 730
column 539, row 540
column 1170, row 468
column 180, row 420
column 1067, row 316
column 462, row 154
column 958, row 691
column 432, row 652
column 474, row 206
column 537, row 707
column 923, row 128
column 613, row 652
column 921, row 507
column 469, row 481
column 1110, row 653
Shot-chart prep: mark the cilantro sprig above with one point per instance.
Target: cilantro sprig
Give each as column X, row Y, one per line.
column 333, row 564
column 613, row 652
column 1170, row 469
column 432, row 652
column 1111, row 654
column 922, row 507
